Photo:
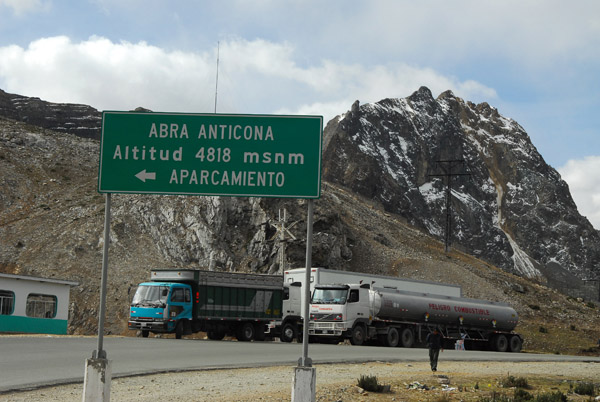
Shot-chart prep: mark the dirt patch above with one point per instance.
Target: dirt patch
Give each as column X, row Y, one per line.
column 459, row 381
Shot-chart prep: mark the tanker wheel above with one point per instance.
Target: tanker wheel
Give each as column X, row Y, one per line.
column 245, row 333
column 145, row 333
column 515, row 344
column 288, row 332
column 392, row 338
column 500, row 343
column 407, row 338
column 358, row 335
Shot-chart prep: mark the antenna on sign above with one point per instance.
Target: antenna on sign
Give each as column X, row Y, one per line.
column 217, row 79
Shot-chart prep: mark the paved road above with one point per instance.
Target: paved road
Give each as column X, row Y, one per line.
column 32, row 361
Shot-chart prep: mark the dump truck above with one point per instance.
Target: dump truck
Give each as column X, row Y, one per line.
column 218, row 303
column 394, row 317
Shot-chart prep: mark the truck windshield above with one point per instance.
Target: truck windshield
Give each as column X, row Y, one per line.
column 329, row 296
column 154, row 296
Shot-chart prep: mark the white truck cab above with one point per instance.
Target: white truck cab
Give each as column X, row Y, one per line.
column 341, row 311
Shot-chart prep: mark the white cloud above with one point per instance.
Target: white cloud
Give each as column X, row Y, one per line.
column 255, row 77
column 583, row 177
column 326, row 109
column 368, row 85
column 106, row 75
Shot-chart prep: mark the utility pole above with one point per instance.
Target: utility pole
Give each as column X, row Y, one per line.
column 282, row 235
column 447, row 167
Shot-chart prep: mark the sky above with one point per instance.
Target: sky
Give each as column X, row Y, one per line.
column 536, row 61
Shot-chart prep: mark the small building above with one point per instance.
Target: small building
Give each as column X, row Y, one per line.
column 34, row 305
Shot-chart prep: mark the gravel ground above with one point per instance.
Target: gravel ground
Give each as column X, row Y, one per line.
column 465, row 381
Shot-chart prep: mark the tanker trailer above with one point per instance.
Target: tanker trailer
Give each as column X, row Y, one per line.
column 396, row 317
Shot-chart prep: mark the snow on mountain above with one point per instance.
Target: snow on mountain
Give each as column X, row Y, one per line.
column 508, row 206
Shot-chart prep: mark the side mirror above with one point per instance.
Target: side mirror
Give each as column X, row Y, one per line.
column 165, row 292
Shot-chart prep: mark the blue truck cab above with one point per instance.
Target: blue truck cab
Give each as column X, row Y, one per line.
column 161, row 307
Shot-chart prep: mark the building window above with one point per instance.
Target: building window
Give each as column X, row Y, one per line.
column 41, row 306
column 7, row 302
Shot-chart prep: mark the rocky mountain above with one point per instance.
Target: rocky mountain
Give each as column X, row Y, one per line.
column 80, row 120
column 507, row 205
column 51, row 224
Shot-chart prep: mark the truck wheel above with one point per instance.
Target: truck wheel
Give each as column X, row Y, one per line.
column 179, row 330
column 408, row 338
column 500, row 343
column 515, row 344
column 259, row 332
column 215, row 335
column 358, row 335
column 145, row 333
column 288, row 332
column 245, row 333
column 392, row 338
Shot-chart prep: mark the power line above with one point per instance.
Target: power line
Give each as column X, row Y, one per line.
column 447, row 172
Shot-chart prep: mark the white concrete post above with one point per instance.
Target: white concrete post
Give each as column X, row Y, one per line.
column 96, row 384
column 304, row 387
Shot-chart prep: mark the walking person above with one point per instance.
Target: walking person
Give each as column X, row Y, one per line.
column 434, row 343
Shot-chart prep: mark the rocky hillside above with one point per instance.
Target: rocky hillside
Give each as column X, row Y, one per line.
column 508, row 206
column 81, row 120
column 51, row 224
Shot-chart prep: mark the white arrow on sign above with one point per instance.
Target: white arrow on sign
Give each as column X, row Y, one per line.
column 143, row 175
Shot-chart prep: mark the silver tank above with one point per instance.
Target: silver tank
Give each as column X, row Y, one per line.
column 399, row 305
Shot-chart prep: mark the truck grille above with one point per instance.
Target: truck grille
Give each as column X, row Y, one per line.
column 321, row 325
column 323, row 317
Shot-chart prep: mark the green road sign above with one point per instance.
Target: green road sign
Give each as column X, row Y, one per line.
column 211, row 154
